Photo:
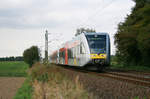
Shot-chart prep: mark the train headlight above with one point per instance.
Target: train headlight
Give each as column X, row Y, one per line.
column 102, row 56
column 93, row 55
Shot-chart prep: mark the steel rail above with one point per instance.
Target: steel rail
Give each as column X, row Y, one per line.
column 128, row 79
column 117, row 76
column 130, row 75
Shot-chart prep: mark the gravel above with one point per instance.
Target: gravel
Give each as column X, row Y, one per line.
column 107, row 88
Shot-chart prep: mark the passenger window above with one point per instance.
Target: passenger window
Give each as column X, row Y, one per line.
column 69, row 53
column 72, row 52
column 78, row 49
column 82, row 49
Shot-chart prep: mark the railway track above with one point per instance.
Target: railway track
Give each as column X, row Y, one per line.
column 128, row 71
column 129, row 77
column 132, row 75
column 143, row 81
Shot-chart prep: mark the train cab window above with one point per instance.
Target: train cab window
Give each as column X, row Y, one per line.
column 96, row 41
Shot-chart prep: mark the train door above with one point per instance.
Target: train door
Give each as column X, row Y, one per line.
column 75, row 56
column 66, row 56
column 71, row 56
column 78, row 55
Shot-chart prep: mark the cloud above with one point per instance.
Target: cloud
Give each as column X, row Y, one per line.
column 50, row 13
column 30, row 18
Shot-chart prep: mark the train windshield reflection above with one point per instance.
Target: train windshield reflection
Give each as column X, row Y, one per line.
column 97, row 43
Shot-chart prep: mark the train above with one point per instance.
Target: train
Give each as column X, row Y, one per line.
column 87, row 50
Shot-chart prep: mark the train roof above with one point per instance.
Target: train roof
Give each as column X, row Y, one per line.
column 99, row 33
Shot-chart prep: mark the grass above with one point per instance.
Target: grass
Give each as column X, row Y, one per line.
column 17, row 69
column 118, row 65
column 49, row 82
column 132, row 68
column 13, row 69
column 25, row 92
column 139, row 98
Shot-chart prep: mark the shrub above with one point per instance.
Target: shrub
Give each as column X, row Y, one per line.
column 31, row 55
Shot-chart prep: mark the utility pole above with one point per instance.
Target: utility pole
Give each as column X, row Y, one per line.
column 46, row 46
column 40, row 53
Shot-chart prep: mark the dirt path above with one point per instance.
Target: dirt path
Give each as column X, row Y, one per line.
column 9, row 86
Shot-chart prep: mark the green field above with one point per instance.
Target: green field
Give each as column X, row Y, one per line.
column 13, row 69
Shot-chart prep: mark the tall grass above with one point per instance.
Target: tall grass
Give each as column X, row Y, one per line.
column 50, row 83
column 16, row 69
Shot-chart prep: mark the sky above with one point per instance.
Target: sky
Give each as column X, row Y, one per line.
column 23, row 22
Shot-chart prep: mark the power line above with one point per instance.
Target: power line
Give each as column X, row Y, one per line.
column 95, row 13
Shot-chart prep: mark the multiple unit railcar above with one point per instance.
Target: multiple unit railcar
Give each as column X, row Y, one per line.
column 90, row 50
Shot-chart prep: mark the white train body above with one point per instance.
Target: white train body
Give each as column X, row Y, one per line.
column 91, row 50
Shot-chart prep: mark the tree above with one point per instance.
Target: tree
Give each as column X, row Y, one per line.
column 133, row 36
column 31, row 55
column 82, row 30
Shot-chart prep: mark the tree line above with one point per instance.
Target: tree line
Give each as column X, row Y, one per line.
column 11, row 58
column 133, row 36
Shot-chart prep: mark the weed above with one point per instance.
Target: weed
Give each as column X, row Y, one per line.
column 43, row 78
column 51, row 83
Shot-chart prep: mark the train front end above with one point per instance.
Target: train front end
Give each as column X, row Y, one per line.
column 99, row 46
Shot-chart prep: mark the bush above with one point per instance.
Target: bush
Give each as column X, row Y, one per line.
column 31, row 55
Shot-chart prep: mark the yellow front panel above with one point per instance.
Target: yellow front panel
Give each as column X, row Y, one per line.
column 96, row 56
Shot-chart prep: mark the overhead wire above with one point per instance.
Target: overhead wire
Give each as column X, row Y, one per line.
column 99, row 9
column 95, row 13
